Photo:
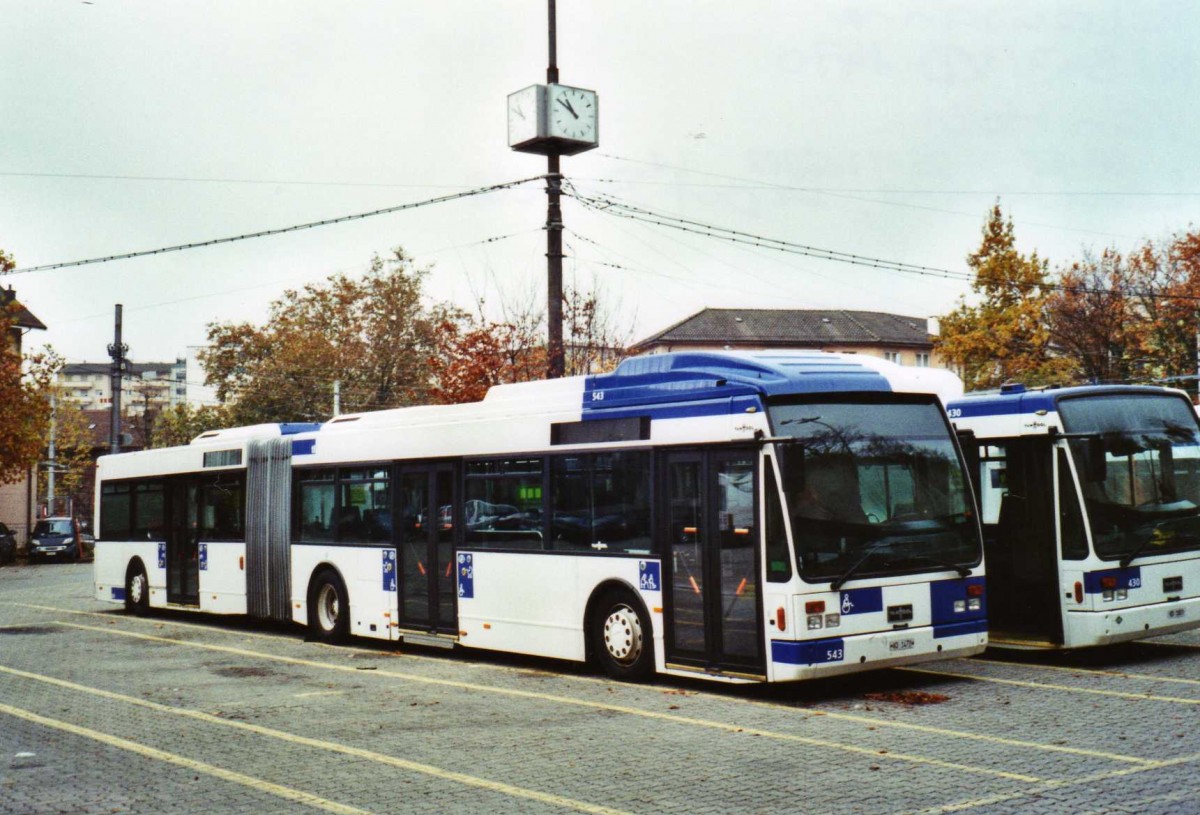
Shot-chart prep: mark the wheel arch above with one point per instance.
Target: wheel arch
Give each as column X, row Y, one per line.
column 320, row 569
column 134, row 565
column 590, row 611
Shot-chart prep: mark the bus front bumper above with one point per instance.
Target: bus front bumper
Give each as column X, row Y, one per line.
column 808, row 659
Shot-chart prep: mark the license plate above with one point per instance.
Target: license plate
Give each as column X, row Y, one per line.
column 1176, row 613
column 901, row 645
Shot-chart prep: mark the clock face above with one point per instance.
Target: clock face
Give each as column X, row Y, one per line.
column 524, row 112
column 572, row 113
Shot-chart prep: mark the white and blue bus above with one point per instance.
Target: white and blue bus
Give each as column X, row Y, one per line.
column 1090, row 503
column 743, row 517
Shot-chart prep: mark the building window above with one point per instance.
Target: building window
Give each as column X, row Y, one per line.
column 892, row 356
column 922, row 360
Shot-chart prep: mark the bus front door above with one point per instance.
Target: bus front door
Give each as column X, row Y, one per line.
column 712, row 614
column 425, row 540
column 182, row 544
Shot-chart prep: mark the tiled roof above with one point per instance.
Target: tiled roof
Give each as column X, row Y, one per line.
column 24, row 317
column 734, row 327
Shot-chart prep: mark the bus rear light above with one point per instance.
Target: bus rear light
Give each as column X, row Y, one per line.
column 975, row 604
column 815, row 621
column 975, row 590
column 1122, row 594
column 242, row 563
column 960, row 606
column 1078, row 592
column 833, row 620
column 781, row 619
column 815, row 607
column 1108, row 582
column 1106, row 596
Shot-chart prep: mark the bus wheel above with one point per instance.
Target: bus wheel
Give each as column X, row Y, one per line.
column 621, row 637
column 137, row 591
column 328, row 608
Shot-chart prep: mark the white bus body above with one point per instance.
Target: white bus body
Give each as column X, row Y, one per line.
column 650, row 519
column 1090, row 504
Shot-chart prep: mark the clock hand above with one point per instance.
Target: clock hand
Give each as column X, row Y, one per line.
column 567, row 105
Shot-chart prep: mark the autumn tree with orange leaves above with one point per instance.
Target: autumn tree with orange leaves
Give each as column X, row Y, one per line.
column 24, row 389
column 475, row 353
column 1005, row 337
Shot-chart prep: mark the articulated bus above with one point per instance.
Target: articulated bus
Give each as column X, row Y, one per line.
column 742, row 517
column 1090, row 503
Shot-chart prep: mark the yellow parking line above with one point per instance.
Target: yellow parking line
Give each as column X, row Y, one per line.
column 278, row 790
column 1141, row 697
column 1121, row 674
column 876, row 722
column 964, row 734
column 566, row 700
column 1085, row 780
column 292, row 738
column 882, row 723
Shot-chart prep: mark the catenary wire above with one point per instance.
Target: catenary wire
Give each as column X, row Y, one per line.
column 279, row 231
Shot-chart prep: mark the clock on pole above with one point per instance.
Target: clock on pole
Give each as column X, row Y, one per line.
column 553, row 119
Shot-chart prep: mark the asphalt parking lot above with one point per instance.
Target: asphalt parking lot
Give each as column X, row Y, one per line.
column 106, row 713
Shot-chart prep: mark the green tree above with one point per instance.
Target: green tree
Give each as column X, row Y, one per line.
column 1005, row 336
column 73, row 441
column 180, row 424
column 372, row 335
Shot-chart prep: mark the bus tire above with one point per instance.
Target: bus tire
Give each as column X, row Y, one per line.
column 621, row 638
column 137, row 590
column 328, row 608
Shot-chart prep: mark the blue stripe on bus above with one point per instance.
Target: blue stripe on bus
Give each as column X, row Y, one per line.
column 118, row 593
column 812, row 652
column 1130, row 578
column 668, row 381
column 303, row 447
column 959, row 629
column 861, row 601
column 292, row 428
column 944, row 593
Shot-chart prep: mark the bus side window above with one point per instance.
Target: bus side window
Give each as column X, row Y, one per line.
column 993, row 482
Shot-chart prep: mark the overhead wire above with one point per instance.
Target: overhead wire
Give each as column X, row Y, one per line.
column 279, row 231
column 611, row 205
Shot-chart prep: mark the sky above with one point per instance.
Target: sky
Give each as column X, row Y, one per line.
column 879, row 128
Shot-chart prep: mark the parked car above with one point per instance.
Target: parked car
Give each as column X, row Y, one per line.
column 8, row 545
column 59, row 539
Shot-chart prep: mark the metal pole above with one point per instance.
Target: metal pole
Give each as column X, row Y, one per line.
column 555, row 366
column 117, row 352
column 51, row 465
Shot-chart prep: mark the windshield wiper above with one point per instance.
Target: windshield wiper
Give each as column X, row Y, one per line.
column 1138, row 550
column 870, row 550
column 963, row 571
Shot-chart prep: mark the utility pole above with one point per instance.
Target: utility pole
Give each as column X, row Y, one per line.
column 116, row 351
column 554, row 256
column 51, row 464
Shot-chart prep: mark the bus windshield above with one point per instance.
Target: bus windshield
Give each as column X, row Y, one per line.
column 874, row 488
column 1138, row 458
